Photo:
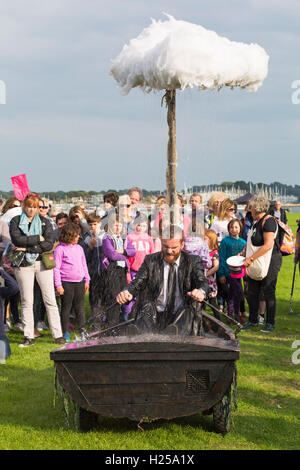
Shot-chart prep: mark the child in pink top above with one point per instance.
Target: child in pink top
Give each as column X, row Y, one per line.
column 71, row 276
column 142, row 243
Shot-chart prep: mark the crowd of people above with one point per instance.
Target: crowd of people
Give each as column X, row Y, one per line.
column 50, row 260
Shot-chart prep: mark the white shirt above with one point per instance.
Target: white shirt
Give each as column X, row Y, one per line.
column 162, row 298
column 277, row 214
column 220, row 227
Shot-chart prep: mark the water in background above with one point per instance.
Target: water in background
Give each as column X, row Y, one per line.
column 293, row 209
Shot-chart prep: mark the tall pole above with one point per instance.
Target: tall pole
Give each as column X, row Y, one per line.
column 170, row 98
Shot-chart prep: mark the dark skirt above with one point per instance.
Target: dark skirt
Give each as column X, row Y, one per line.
column 113, row 282
column 96, row 292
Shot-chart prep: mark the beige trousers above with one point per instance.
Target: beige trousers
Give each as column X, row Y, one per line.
column 25, row 278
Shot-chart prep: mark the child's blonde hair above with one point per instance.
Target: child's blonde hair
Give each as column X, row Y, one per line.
column 213, row 239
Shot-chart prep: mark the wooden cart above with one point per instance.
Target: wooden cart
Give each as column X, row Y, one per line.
column 151, row 376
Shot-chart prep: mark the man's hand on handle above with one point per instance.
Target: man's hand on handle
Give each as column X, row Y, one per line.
column 197, row 294
column 124, row 297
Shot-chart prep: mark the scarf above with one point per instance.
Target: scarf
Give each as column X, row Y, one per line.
column 34, row 229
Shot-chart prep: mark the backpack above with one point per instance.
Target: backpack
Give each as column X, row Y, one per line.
column 287, row 237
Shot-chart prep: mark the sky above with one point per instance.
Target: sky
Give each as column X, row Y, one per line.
column 67, row 126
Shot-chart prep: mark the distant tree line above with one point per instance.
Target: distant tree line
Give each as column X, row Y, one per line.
column 63, row 195
column 242, row 185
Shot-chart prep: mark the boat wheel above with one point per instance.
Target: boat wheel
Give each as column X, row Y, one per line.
column 221, row 414
column 87, row 420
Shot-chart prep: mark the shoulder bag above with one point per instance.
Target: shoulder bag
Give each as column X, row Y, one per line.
column 259, row 268
column 48, row 259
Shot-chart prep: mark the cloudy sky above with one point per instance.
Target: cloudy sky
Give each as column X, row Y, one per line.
column 67, row 126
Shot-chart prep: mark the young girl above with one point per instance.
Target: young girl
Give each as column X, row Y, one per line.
column 143, row 245
column 210, row 237
column 232, row 245
column 71, row 276
column 115, row 265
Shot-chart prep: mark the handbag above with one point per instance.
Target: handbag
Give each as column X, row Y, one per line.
column 15, row 257
column 259, row 268
column 48, row 259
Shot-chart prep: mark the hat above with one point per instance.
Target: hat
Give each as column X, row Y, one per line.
column 236, row 266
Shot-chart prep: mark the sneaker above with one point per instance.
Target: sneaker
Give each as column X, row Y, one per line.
column 19, row 326
column 6, row 328
column 261, row 319
column 27, row 342
column 41, row 326
column 269, row 327
column 249, row 325
column 67, row 337
column 60, row 340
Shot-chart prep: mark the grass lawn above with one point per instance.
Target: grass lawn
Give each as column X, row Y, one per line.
column 268, row 396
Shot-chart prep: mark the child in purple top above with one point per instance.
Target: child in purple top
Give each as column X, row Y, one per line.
column 71, row 276
column 115, row 266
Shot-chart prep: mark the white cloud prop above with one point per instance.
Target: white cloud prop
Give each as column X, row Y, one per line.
column 176, row 54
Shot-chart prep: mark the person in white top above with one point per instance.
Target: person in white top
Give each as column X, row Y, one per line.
column 220, row 223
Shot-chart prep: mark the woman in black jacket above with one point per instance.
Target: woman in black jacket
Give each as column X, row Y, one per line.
column 32, row 234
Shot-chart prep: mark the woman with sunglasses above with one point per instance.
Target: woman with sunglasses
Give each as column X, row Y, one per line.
column 32, row 234
column 126, row 219
column 226, row 213
column 44, row 208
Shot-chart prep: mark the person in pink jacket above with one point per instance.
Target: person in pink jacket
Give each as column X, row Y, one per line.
column 142, row 243
column 71, row 276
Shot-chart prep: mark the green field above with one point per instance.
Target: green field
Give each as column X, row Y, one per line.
column 268, row 396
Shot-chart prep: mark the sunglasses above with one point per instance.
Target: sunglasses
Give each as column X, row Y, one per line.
column 231, row 209
column 43, row 207
column 125, row 205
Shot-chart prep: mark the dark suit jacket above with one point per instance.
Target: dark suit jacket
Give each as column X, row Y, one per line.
column 148, row 282
column 283, row 216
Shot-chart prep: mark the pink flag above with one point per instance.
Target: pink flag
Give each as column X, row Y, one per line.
column 20, row 186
